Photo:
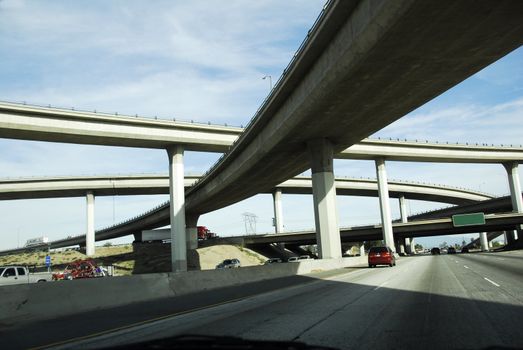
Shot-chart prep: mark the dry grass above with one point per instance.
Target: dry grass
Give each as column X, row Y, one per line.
column 141, row 258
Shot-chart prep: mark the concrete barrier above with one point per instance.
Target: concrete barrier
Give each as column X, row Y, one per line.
column 31, row 302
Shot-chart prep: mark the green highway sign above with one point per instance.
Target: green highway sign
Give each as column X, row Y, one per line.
column 468, row 219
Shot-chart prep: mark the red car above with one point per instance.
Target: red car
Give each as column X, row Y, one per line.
column 78, row 269
column 381, row 256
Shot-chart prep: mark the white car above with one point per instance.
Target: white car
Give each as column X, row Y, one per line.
column 229, row 264
column 20, row 275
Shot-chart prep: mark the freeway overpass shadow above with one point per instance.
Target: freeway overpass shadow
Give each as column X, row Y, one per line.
column 146, row 258
column 156, row 257
column 338, row 313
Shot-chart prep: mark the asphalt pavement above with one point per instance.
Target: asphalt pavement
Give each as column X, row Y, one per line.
column 462, row 301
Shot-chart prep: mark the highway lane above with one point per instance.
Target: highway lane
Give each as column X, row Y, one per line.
column 424, row 302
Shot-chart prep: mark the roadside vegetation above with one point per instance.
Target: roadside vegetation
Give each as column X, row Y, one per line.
column 132, row 259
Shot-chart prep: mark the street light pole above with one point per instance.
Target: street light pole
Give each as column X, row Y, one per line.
column 270, row 81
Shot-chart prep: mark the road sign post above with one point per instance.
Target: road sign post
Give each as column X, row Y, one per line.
column 48, row 261
column 468, row 219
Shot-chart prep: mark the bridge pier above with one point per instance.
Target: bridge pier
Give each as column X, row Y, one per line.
column 89, row 237
column 409, row 243
column 400, row 246
column 483, row 241
column 383, row 193
column 324, row 197
column 177, row 209
column 515, row 195
column 362, row 249
column 278, row 212
column 191, row 231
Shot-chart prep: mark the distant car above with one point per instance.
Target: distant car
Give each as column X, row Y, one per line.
column 229, row 264
column 465, row 250
column 292, row 259
column 451, row 250
column 381, row 256
column 273, row 261
column 435, row 251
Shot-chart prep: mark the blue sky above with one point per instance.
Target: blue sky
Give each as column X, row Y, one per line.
column 204, row 60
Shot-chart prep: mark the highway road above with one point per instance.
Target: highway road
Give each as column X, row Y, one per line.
column 448, row 301
column 465, row 301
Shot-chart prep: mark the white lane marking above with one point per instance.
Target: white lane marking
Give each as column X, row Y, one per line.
column 381, row 285
column 501, row 259
column 465, row 266
column 457, row 262
column 494, row 283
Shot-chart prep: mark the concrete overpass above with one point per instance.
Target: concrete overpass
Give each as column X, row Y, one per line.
column 363, row 65
column 148, row 184
column 26, row 188
column 423, row 228
column 39, row 123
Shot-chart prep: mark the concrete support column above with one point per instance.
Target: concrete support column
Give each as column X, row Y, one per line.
column 278, row 212
column 490, row 245
column 177, row 209
column 483, row 241
column 324, row 196
column 191, row 231
column 400, row 246
column 362, row 249
column 408, row 246
column 89, row 237
column 515, row 195
column 383, row 192
column 403, row 214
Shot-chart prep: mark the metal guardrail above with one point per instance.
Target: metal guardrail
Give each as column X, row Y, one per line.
column 116, row 114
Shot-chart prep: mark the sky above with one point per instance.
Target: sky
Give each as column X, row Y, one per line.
column 204, row 61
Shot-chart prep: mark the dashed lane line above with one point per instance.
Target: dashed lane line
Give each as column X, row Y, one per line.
column 381, row 285
column 491, row 281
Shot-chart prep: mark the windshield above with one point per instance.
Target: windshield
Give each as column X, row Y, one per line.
column 144, row 144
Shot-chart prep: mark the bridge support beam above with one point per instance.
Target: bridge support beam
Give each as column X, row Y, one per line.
column 324, row 196
column 177, row 209
column 89, row 237
column 409, row 243
column 278, row 212
column 383, row 193
column 483, row 241
column 515, row 195
column 362, row 249
column 400, row 246
column 191, row 231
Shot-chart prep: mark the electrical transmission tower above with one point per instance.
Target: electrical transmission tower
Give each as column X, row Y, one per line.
column 250, row 223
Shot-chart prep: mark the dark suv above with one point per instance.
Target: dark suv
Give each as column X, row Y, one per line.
column 435, row 251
